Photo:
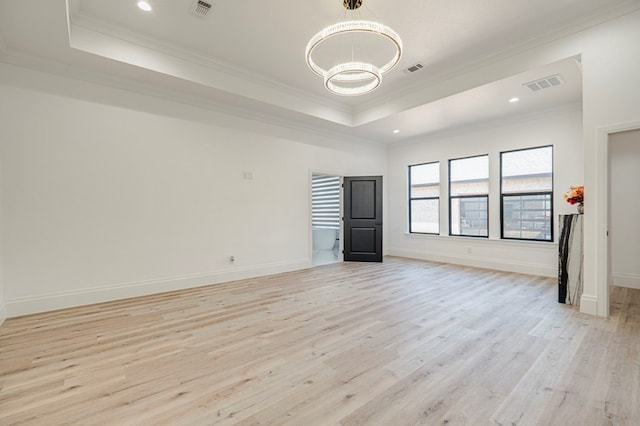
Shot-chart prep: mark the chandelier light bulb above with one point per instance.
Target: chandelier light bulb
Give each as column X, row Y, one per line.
column 144, row 6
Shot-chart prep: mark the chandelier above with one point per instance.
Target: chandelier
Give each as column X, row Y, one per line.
column 353, row 75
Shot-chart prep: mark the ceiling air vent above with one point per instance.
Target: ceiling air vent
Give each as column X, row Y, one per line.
column 201, row 8
column 415, row 68
column 545, row 83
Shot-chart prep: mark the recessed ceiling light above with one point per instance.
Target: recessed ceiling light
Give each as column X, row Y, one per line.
column 514, row 100
column 396, row 131
column 144, row 6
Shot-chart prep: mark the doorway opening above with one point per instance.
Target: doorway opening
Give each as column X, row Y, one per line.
column 623, row 205
column 605, row 232
column 325, row 218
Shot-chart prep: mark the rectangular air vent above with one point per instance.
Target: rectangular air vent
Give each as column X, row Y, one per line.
column 414, row 68
column 201, row 8
column 545, row 83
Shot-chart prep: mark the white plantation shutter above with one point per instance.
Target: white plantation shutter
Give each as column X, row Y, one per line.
column 325, row 196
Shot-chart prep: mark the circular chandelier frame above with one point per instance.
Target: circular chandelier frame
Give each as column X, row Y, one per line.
column 342, row 73
column 355, row 73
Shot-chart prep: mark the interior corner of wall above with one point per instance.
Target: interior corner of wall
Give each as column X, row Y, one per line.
column 3, row 313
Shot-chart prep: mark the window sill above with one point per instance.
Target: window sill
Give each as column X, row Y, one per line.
column 483, row 240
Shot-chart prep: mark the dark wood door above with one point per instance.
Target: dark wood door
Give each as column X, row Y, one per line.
column 363, row 218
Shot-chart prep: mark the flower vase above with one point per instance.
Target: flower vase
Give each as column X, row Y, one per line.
column 580, row 208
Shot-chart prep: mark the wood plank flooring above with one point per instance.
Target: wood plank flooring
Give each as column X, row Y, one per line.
column 399, row 343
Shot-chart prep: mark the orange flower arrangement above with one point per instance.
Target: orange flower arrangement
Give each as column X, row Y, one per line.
column 575, row 194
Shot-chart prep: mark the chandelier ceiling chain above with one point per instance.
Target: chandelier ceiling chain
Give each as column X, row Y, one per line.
column 357, row 76
column 352, row 4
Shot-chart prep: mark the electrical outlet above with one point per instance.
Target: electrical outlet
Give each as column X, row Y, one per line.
column 232, row 259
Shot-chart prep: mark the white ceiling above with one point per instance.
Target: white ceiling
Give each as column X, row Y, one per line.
column 248, row 56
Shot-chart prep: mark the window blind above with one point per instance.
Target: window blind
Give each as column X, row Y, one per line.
column 325, row 201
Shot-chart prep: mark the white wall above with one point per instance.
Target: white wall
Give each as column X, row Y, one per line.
column 611, row 64
column 102, row 202
column 624, row 200
column 560, row 127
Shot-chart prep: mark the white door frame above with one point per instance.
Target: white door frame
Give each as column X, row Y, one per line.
column 604, row 275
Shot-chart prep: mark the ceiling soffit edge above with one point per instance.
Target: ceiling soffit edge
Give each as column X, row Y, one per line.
column 84, row 26
column 488, row 124
column 364, row 112
column 61, row 70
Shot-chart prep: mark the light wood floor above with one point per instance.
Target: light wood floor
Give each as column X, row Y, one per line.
column 402, row 342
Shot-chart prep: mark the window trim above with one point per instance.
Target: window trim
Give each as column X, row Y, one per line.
column 424, row 198
column 451, row 197
column 551, row 193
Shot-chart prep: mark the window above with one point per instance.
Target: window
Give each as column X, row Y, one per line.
column 325, row 201
column 469, row 196
column 424, row 198
column 526, row 188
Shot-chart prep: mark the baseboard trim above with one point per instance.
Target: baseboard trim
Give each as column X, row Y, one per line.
column 69, row 299
column 3, row 313
column 626, row 280
column 589, row 304
column 481, row 262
